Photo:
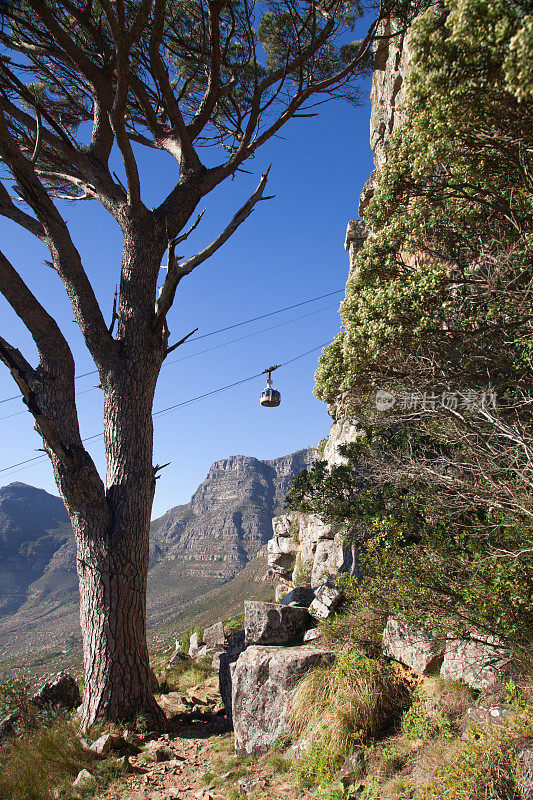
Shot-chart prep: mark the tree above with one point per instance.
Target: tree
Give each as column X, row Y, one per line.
column 78, row 80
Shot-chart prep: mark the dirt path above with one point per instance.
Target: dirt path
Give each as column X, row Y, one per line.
column 188, row 756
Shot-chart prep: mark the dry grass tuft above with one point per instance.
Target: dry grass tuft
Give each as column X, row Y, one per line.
column 337, row 707
column 31, row 767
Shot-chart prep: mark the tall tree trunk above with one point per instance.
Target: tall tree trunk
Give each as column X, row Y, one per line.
column 113, row 558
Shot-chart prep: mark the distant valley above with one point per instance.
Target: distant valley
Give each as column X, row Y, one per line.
column 195, row 548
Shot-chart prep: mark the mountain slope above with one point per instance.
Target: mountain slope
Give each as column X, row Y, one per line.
column 194, row 548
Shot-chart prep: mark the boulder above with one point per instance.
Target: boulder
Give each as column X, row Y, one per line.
column 155, row 751
column 274, row 623
column 264, row 681
column 61, row 690
column 111, row 743
column 201, row 652
column 177, row 655
column 327, row 599
column 225, row 662
column 300, row 596
column 486, row 717
column 194, row 645
column 282, row 548
column 525, row 769
column 84, row 778
column 312, row 634
column 412, row 646
column 479, row 662
column 214, row 636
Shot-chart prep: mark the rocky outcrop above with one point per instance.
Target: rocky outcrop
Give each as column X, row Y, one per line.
column 479, row 662
column 272, row 623
column 215, row 636
column 264, row 681
column 60, row 691
column 412, row 646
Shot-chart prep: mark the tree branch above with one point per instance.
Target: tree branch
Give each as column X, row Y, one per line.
column 65, row 256
column 177, row 271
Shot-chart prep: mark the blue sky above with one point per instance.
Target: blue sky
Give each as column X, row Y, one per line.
column 289, row 250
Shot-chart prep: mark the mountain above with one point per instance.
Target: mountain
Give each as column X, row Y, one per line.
column 194, row 548
column 34, row 527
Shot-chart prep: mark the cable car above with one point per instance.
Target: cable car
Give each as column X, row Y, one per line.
column 270, row 398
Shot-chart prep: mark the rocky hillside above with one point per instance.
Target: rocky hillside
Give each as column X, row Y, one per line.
column 195, row 548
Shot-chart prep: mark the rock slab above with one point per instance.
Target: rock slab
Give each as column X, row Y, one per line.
column 225, row 662
column 480, row 662
column 411, row 646
column 274, row 623
column 264, row 682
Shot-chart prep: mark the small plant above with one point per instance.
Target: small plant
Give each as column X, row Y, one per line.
column 514, row 694
column 15, row 698
column 340, row 706
column 236, row 624
column 484, row 765
column 278, row 763
column 302, row 575
column 294, row 528
column 321, row 446
column 418, row 724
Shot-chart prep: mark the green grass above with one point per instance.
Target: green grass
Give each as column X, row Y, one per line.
column 49, row 759
column 184, row 675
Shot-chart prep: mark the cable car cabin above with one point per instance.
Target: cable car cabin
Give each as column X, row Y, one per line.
column 270, row 398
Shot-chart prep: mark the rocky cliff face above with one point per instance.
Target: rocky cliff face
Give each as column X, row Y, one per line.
column 226, row 523
column 34, row 534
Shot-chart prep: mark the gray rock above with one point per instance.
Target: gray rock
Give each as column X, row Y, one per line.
column 264, row 681
column 194, row 645
column 480, row 662
column 110, row 743
column 486, row 717
column 525, row 768
column 214, row 636
column 273, row 623
column 352, row 769
column 155, row 751
column 312, row 634
column 177, row 656
column 62, row 690
column 412, row 646
column 327, row 599
column 225, row 662
column 83, row 778
column 300, row 596
column 202, row 651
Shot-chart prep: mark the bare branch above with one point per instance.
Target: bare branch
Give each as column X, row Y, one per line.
column 177, row 271
column 181, row 341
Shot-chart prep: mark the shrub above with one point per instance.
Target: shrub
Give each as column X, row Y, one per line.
column 417, row 723
column 485, row 765
column 339, row 706
column 184, row 674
